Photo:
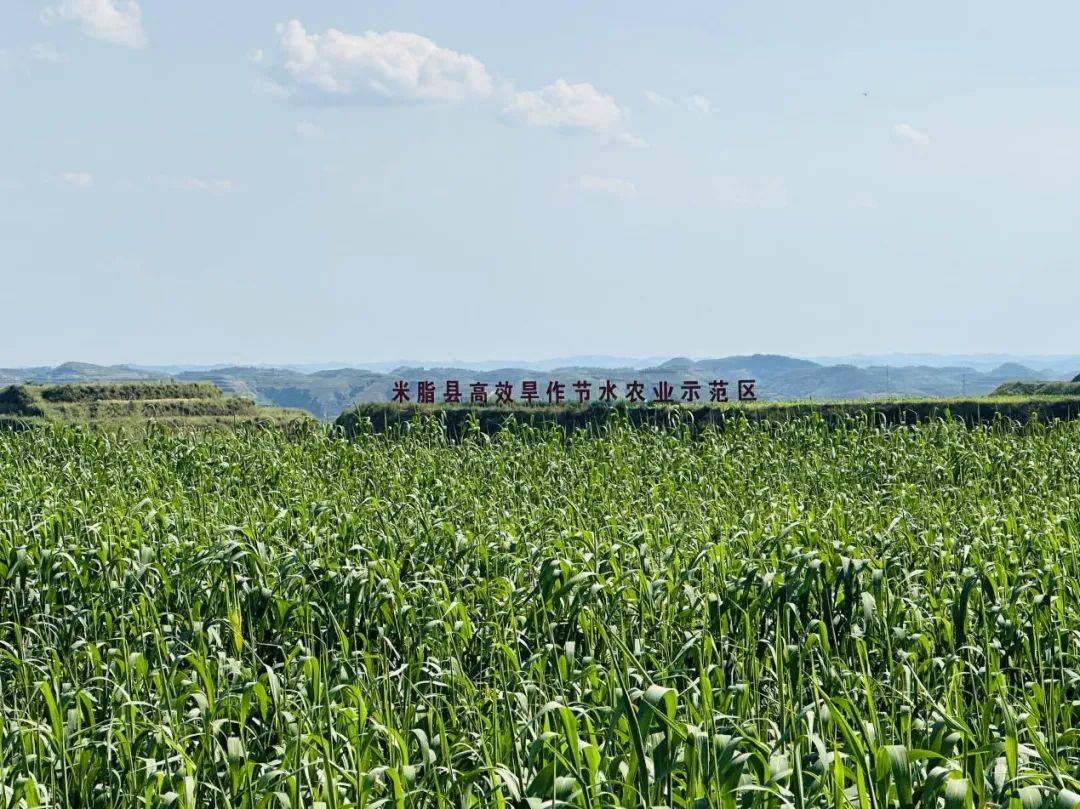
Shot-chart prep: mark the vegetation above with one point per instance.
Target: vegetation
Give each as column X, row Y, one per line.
column 459, row 419
column 74, row 372
column 790, row 613
column 131, row 403
column 326, row 393
column 1039, row 389
column 129, row 391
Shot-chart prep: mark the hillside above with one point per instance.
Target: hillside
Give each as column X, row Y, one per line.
column 1039, row 389
column 326, row 393
column 130, row 403
column 461, row 419
column 778, row 378
column 74, row 372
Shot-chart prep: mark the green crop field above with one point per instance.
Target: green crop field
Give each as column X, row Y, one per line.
column 769, row 614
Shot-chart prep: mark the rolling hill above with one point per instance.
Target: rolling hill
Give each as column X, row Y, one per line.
column 326, row 393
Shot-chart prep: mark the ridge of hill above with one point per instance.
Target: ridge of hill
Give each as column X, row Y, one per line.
column 322, row 393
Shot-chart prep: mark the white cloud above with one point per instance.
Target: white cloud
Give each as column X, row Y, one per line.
column 306, row 129
column 613, row 186
column 658, row 100
column 631, row 140
column 907, row 132
column 79, row 179
column 698, row 104
column 402, row 67
column 45, row 52
column 19, row 61
column 116, row 21
column 869, row 203
column 391, row 66
column 566, row 106
column 268, row 88
column 770, row 195
column 214, row 186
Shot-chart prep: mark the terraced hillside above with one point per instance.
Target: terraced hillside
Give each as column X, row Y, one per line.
column 194, row 404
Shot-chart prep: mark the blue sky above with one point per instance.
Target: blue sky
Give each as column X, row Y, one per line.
column 313, row 181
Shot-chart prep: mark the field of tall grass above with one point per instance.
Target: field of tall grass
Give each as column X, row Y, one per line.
column 763, row 615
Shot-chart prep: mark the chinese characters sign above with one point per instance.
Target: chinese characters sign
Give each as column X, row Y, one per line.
column 555, row 392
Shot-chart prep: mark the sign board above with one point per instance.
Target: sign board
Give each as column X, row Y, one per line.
column 581, row 391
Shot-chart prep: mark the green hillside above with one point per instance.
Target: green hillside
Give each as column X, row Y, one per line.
column 196, row 404
column 1039, row 388
column 73, row 372
column 326, row 393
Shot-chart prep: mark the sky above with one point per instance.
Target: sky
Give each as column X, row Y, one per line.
column 296, row 182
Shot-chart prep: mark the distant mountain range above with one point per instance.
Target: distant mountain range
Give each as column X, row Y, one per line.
column 1051, row 366
column 325, row 392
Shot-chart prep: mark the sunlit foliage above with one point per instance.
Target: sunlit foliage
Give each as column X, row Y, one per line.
column 769, row 615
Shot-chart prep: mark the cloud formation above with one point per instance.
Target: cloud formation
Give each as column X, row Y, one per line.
column 19, row 61
column 306, row 129
column 631, row 140
column 116, row 21
column 611, row 186
column 79, row 179
column 393, row 66
column 908, row 133
column 268, row 88
column 396, row 67
column 566, row 106
column 215, row 186
column 45, row 52
column 696, row 103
